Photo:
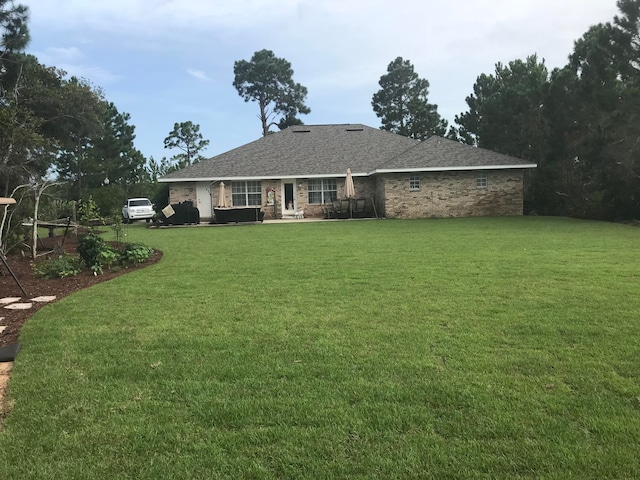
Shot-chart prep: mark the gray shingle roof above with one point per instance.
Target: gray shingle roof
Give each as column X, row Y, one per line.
column 437, row 153
column 328, row 150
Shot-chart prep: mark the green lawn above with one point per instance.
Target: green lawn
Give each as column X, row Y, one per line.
column 458, row 348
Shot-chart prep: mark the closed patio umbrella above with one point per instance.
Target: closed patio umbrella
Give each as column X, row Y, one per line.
column 222, row 199
column 349, row 190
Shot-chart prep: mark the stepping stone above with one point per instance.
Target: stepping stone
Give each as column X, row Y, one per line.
column 5, row 368
column 19, row 306
column 44, row 299
column 6, row 300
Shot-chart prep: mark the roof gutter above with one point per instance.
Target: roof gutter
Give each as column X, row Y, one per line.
column 342, row 175
column 452, row 169
column 256, row 178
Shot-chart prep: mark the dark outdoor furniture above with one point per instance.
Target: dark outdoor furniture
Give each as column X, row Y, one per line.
column 238, row 215
column 350, row 208
column 327, row 210
column 359, row 209
column 185, row 214
column 341, row 209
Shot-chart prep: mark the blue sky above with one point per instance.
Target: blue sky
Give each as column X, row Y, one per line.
column 167, row 61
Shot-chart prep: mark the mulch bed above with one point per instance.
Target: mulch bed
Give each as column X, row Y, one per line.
column 36, row 287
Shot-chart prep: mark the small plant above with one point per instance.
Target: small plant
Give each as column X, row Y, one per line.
column 107, row 257
column 135, row 253
column 118, row 228
column 95, row 253
column 65, row 265
column 88, row 212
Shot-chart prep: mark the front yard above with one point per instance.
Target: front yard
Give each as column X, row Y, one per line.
column 461, row 348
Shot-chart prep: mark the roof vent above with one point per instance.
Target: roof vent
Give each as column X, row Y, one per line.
column 359, row 129
column 301, row 131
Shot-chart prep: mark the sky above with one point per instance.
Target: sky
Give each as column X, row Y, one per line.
column 168, row 61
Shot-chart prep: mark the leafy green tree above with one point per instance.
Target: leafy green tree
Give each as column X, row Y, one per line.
column 156, row 169
column 402, row 103
column 507, row 114
column 113, row 168
column 20, row 77
column 13, row 25
column 268, row 80
column 626, row 36
column 114, row 158
column 22, row 137
column 606, row 123
column 506, row 110
column 83, row 122
column 186, row 136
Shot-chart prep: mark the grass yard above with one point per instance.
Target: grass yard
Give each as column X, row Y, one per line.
column 460, row 348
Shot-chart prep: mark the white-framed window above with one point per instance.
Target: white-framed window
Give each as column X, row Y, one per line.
column 481, row 180
column 246, row 194
column 322, row 190
column 414, row 182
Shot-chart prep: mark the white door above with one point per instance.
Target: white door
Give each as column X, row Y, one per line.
column 203, row 199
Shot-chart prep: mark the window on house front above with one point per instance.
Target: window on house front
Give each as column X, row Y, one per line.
column 481, row 180
column 414, row 182
column 246, row 194
column 322, row 190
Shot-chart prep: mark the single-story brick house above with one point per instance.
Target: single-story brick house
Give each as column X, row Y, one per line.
column 305, row 167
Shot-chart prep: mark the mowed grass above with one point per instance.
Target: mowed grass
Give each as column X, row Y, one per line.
column 458, row 348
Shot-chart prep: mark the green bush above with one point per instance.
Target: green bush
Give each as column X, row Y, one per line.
column 65, row 265
column 96, row 253
column 135, row 253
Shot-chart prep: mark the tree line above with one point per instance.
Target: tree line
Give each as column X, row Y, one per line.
column 579, row 123
column 63, row 141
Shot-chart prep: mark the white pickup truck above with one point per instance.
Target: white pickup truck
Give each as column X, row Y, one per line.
column 137, row 209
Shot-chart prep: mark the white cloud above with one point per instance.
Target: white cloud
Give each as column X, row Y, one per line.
column 199, row 74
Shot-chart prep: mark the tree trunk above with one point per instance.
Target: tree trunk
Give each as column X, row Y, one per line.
column 263, row 116
column 34, row 228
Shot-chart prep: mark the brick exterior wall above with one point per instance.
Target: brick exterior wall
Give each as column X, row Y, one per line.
column 181, row 192
column 452, row 194
column 365, row 188
column 441, row 194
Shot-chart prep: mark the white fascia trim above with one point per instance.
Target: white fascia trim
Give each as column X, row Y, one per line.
column 279, row 177
column 450, row 169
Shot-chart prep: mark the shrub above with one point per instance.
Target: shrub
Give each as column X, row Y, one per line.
column 135, row 253
column 65, row 265
column 95, row 253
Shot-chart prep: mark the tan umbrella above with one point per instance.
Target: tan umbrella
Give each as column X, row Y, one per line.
column 222, row 199
column 349, row 190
